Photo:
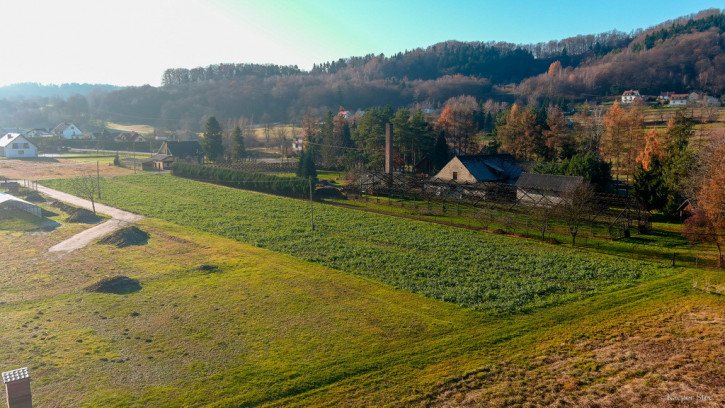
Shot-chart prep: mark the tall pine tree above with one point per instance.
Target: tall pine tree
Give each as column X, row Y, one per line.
column 211, row 143
column 238, row 150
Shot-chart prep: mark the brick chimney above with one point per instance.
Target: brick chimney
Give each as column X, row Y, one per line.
column 389, row 148
column 17, row 388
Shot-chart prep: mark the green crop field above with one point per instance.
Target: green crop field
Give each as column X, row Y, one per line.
column 468, row 268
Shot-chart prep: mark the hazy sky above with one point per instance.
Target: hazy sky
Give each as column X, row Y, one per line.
column 131, row 42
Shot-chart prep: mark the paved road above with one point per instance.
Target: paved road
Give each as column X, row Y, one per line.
column 119, row 218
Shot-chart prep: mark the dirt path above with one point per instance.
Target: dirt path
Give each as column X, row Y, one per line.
column 119, row 218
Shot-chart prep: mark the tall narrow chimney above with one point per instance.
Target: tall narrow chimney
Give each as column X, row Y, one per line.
column 389, row 148
column 17, row 388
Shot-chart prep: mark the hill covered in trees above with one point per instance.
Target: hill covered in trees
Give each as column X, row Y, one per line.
column 680, row 55
column 33, row 89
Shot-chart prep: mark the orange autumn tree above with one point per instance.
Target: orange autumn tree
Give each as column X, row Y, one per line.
column 708, row 222
column 615, row 124
column 652, row 148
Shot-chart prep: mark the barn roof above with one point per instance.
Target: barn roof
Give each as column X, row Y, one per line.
column 549, row 182
column 492, row 167
column 181, row 149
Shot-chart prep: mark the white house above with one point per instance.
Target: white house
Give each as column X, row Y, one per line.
column 631, row 96
column 68, row 131
column 13, row 145
column 677, row 100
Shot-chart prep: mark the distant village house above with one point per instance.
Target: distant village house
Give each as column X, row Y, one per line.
column 129, row 137
column 68, row 131
column 631, row 96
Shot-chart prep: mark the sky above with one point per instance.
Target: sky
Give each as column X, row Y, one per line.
column 132, row 42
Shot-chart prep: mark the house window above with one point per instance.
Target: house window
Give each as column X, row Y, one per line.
column 15, row 145
column 21, row 152
column 455, row 175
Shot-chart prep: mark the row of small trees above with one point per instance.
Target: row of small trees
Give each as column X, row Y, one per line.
column 284, row 186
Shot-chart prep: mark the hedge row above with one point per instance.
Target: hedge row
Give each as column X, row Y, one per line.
column 265, row 183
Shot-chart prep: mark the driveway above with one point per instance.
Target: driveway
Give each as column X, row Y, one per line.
column 119, row 219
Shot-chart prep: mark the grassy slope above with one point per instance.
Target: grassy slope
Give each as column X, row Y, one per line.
column 270, row 329
column 464, row 267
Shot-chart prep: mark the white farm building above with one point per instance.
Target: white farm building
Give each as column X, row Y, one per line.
column 13, row 146
column 10, row 201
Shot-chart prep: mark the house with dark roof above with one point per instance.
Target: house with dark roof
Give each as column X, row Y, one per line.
column 129, row 136
column 168, row 154
column 186, row 152
column 491, row 168
column 545, row 190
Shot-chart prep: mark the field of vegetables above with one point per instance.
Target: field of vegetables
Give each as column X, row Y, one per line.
column 468, row 268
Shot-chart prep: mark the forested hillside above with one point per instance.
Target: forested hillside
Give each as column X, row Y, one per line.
column 683, row 55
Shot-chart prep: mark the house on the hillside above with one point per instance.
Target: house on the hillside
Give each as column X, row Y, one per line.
column 665, row 96
column 631, row 96
column 129, row 137
column 498, row 168
column 545, row 190
column 678, row 100
column 68, row 131
column 10, row 201
column 14, row 145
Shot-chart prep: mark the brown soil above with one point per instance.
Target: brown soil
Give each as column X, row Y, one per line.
column 116, row 284
column 125, row 237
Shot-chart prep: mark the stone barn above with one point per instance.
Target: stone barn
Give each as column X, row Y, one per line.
column 497, row 168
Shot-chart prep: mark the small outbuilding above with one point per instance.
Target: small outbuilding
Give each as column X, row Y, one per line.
column 10, row 201
column 545, row 190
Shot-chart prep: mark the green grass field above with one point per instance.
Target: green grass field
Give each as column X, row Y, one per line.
column 218, row 322
column 469, row 268
column 266, row 329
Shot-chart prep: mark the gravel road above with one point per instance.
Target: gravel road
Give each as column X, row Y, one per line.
column 119, row 219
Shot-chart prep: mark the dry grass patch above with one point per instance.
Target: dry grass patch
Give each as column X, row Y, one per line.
column 659, row 359
column 56, row 168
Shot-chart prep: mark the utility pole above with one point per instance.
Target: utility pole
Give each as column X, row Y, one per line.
column 312, row 215
column 98, row 179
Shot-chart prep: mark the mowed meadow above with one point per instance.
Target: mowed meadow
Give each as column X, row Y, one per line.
column 219, row 322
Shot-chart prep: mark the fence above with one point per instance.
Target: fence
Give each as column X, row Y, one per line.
column 601, row 222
